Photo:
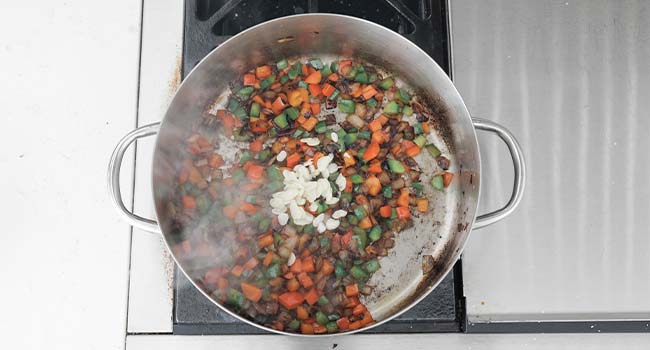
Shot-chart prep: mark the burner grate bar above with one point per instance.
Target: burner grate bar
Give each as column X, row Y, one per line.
column 405, row 11
column 221, row 13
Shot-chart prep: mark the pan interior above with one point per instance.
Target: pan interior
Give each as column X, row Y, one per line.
column 442, row 233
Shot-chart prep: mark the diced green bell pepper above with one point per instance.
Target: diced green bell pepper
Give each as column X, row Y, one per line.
column 187, row 187
column 325, row 242
column 294, row 71
column 273, row 173
column 238, row 135
column 391, row 108
column 361, row 77
column 277, row 239
column 346, row 106
column 281, row 121
column 438, row 183
column 334, row 66
column 266, row 82
column 282, row 64
column 322, row 207
column 273, row 271
column 403, row 95
column 245, row 157
column 360, row 212
column 320, row 127
column 364, row 135
column 245, row 92
column 235, row 297
column 241, row 113
column 255, row 109
column 264, row 224
column 361, row 236
column 417, row 128
column 418, row 187
column 420, row 140
column 356, row 179
column 375, row 233
column 275, row 186
column 233, row 104
column 316, row 63
column 264, row 155
column 360, row 154
column 321, row 318
column 346, row 197
column 331, row 327
column 202, row 203
column 257, row 217
column 395, row 166
column 433, row 150
column 323, row 300
column 326, row 71
column 339, row 270
column 372, row 265
column 358, row 273
column 294, row 324
column 387, row 83
column 292, row 112
column 350, row 138
column 296, row 134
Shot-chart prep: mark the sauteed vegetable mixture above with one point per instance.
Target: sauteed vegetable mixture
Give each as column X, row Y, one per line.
column 287, row 230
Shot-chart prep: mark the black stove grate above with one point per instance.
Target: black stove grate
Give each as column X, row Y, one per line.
column 208, row 23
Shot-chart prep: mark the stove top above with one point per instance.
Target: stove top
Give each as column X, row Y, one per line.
column 208, row 23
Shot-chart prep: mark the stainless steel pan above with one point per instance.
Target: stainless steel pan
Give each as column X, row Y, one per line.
column 400, row 282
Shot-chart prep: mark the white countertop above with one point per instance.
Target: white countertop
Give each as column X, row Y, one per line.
column 69, row 87
column 75, row 79
column 397, row 341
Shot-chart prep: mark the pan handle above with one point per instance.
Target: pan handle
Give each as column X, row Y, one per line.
column 520, row 172
column 114, row 167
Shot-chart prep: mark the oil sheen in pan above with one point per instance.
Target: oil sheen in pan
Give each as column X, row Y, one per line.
column 401, row 271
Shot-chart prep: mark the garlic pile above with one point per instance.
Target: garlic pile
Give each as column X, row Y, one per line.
column 306, row 184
